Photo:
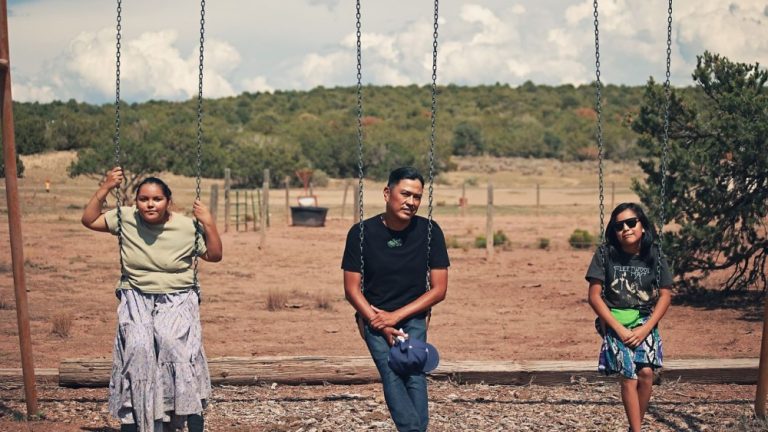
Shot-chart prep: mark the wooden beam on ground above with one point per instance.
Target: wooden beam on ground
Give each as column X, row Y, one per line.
column 361, row 370
column 13, row 376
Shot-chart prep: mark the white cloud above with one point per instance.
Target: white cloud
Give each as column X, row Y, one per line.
column 257, row 84
column 151, row 67
column 299, row 44
column 26, row 92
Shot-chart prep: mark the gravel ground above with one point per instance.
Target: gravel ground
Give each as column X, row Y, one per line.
column 577, row 407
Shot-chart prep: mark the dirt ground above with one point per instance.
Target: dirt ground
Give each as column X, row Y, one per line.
column 332, row 408
column 526, row 303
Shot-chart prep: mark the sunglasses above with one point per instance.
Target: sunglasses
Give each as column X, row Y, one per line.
column 619, row 225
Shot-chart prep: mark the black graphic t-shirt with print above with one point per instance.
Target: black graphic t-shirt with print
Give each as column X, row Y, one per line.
column 631, row 282
column 395, row 261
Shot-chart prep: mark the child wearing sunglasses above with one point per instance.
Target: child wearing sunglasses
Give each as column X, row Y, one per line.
column 629, row 290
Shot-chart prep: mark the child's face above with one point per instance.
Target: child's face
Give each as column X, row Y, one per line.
column 152, row 203
column 628, row 229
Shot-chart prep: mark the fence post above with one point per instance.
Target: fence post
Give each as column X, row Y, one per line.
column 344, row 198
column 214, row 201
column 227, row 185
column 538, row 198
column 489, row 224
column 237, row 210
column 287, row 181
column 264, row 208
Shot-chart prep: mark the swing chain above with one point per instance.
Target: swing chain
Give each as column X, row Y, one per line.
column 116, row 137
column 432, row 141
column 361, row 174
column 199, row 149
column 599, row 133
column 665, row 146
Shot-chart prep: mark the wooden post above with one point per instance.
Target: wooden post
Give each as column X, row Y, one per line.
column 227, row 185
column 538, row 198
column 356, row 206
column 245, row 209
column 463, row 199
column 265, row 194
column 264, row 208
column 344, row 198
column 214, row 201
column 258, row 203
column 237, row 210
column 762, row 374
column 287, row 181
column 14, row 217
column 253, row 210
column 489, row 224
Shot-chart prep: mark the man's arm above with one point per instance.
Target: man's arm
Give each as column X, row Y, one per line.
column 438, row 279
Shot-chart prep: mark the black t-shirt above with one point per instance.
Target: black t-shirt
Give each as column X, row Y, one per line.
column 631, row 282
column 395, row 261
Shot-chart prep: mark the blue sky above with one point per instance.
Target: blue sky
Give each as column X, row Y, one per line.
column 65, row 49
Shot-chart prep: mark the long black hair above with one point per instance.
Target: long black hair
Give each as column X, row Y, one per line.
column 648, row 239
column 156, row 181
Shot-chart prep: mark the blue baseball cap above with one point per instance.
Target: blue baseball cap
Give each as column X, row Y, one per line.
column 412, row 357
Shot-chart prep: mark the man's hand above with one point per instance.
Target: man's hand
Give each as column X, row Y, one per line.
column 391, row 333
column 383, row 319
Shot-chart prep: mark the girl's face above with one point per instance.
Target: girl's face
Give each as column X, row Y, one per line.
column 629, row 230
column 152, row 203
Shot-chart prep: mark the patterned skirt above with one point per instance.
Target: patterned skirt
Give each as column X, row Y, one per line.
column 159, row 370
column 617, row 358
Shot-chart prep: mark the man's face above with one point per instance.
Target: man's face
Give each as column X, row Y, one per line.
column 404, row 198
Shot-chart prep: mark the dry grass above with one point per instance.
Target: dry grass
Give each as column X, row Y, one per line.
column 276, row 300
column 5, row 303
column 323, row 301
column 61, row 325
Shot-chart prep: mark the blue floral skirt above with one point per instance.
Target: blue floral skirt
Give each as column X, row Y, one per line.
column 617, row 358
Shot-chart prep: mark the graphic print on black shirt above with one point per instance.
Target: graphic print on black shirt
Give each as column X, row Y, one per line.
column 631, row 282
column 627, row 283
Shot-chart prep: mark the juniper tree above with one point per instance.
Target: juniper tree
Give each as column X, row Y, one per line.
column 717, row 184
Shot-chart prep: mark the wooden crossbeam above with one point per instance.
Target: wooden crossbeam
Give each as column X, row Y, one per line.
column 294, row 370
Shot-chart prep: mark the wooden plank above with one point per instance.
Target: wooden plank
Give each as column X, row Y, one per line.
column 13, row 376
column 360, row 370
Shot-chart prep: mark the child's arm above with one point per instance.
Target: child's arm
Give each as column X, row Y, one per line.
column 213, row 246
column 665, row 299
column 92, row 217
column 601, row 309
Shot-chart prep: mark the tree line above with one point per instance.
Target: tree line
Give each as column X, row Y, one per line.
column 289, row 130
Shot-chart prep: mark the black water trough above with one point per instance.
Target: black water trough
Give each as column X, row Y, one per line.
column 308, row 216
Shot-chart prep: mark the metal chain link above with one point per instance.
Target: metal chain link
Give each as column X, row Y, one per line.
column 198, row 166
column 116, row 136
column 665, row 147
column 432, row 142
column 361, row 174
column 599, row 136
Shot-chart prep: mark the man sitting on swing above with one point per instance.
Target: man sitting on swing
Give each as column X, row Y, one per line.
column 397, row 249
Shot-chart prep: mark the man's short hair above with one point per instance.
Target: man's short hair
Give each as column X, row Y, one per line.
column 406, row 172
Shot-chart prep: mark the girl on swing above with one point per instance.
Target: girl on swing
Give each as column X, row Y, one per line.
column 159, row 371
column 630, row 298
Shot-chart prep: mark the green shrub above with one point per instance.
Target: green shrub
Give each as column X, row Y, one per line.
column 499, row 239
column 452, row 243
column 543, row 243
column 581, row 239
